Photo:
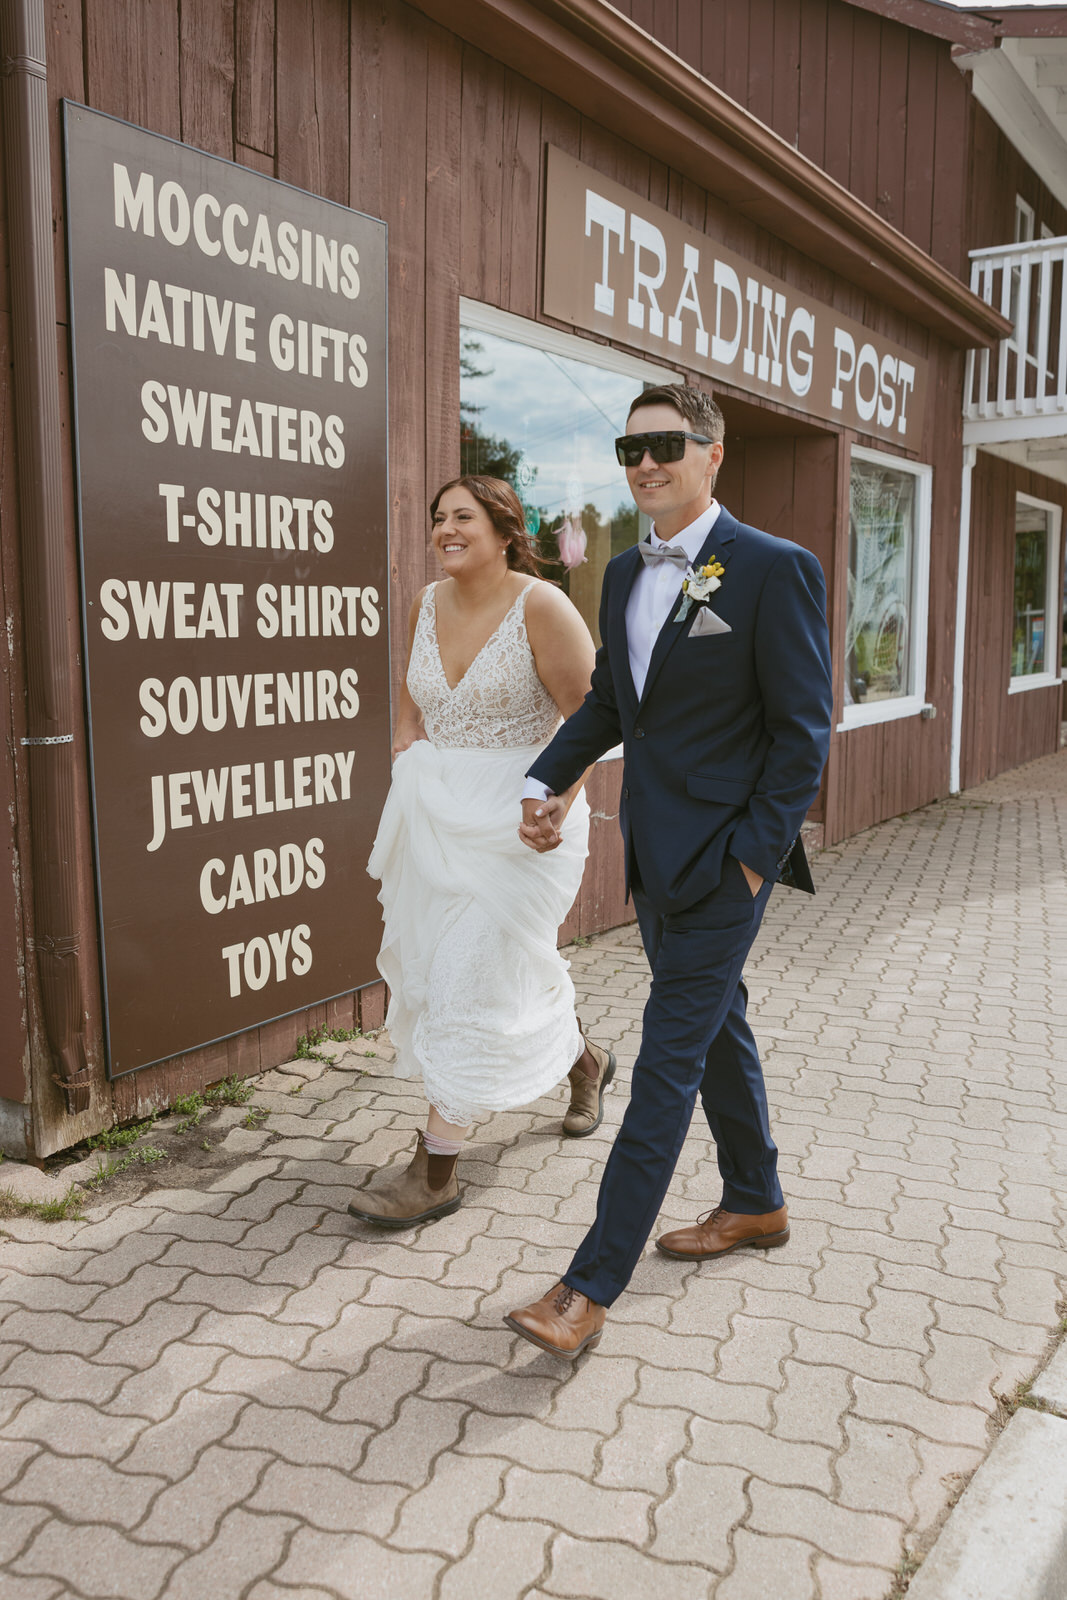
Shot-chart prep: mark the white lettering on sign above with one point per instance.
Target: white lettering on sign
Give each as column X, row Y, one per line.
column 279, row 954
column 644, row 277
column 200, row 418
column 263, row 875
column 316, row 694
column 611, row 218
column 646, row 237
column 279, row 247
column 250, row 789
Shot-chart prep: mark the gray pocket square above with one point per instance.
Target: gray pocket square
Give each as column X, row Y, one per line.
column 707, row 622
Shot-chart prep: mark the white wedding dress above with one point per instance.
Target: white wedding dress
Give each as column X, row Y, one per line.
column 481, row 1002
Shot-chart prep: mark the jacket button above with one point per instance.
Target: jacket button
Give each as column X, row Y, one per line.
column 639, row 733
column 626, row 794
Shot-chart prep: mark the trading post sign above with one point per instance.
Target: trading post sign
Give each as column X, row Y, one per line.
column 630, row 271
column 229, row 337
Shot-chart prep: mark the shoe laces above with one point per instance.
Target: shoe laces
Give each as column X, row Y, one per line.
column 565, row 1298
column 709, row 1216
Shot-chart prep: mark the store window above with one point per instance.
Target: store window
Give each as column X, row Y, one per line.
column 1036, row 594
column 888, row 582
column 542, row 410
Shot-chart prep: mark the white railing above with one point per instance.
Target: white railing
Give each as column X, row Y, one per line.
column 1018, row 389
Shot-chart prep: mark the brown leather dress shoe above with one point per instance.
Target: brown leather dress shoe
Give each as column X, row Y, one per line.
column 719, row 1232
column 588, row 1078
column 564, row 1322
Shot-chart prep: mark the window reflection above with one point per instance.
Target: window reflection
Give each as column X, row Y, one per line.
column 1029, row 633
column 547, row 424
column 881, row 561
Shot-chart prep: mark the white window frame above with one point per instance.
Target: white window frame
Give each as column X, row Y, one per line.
column 482, row 318
column 1024, row 221
column 1053, row 590
column 915, row 703
column 506, row 325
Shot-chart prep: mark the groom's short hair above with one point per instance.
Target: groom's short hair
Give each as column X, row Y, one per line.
column 694, row 405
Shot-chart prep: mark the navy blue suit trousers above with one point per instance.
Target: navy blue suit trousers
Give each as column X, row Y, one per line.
column 695, row 1039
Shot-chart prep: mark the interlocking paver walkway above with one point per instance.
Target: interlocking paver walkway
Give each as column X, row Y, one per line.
column 226, row 1388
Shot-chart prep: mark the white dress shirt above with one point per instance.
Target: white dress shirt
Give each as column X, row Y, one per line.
column 656, row 592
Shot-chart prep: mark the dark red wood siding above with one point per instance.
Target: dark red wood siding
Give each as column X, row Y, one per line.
column 878, row 106
column 371, row 104
column 1002, row 730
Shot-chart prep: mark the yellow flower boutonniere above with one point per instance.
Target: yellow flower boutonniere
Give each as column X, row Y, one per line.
column 698, row 586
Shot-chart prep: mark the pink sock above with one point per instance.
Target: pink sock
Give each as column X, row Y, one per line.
column 442, row 1147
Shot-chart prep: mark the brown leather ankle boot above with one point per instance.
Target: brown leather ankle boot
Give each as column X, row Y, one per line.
column 426, row 1188
column 586, row 1110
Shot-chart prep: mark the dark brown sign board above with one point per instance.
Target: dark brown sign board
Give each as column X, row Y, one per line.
column 625, row 269
column 229, row 343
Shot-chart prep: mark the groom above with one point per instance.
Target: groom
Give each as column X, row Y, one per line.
column 720, row 694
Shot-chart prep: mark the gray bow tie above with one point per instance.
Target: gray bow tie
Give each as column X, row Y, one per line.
column 667, row 552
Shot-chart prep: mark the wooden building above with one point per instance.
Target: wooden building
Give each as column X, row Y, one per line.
column 777, row 199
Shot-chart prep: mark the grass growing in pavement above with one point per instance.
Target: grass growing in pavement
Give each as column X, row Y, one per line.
column 144, row 1155
column 308, row 1043
column 66, row 1210
column 118, row 1138
column 907, row 1567
column 232, row 1091
column 1022, row 1398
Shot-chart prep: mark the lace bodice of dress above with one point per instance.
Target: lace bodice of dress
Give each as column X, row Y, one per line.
column 499, row 703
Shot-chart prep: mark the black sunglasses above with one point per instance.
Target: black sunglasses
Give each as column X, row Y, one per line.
column 669, row 446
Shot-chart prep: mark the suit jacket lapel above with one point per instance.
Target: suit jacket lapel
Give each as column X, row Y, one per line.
column 719, row 542
column 619, row 644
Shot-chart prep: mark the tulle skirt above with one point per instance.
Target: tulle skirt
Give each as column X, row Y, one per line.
column 481, row 1002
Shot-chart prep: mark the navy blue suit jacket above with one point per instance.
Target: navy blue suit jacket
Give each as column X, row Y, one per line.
column 724, row 749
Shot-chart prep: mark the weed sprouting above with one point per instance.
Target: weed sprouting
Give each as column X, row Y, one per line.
column 68, row 1209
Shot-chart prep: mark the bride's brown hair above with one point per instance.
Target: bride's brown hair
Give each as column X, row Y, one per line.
column 504, row 509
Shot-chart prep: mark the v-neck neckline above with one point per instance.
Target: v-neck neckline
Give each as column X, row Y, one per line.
column 454, row 688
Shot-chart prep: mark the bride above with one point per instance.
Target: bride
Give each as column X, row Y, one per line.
column 481, row 1003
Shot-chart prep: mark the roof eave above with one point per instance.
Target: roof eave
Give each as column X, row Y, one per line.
column 587, row 53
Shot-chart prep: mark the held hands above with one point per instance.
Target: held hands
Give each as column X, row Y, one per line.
column 542, row 822
column 405, row 736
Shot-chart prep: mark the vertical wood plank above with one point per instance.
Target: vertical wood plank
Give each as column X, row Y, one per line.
column 811, row 115
column 761, row 60
column 838, row 123
column 14, row 884
column 206, row 65
column 403, row 204
column 519, row 219
column 131, row 53
column 734, row 79
column 948, row 238
column 254, row 53
column 444, row 159
column 863, row 154
column 313, row 96
column 919, row 141
column 257, row 160
column 482, row 176
column 785, row 109
column 372, row 1007
column 65, row 49
column 368, row 33
column 712, row 62
column 892, row 123
column 690, row 25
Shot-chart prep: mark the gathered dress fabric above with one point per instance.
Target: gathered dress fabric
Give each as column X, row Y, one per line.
column 481, row 1002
